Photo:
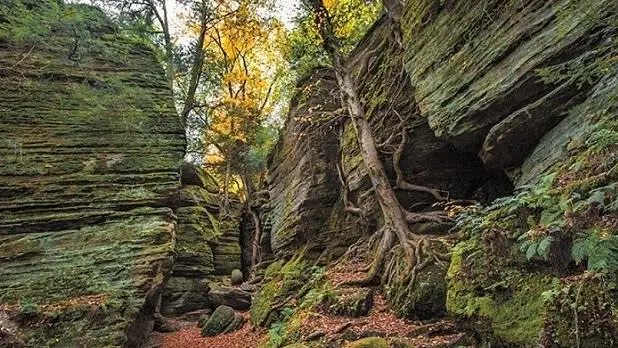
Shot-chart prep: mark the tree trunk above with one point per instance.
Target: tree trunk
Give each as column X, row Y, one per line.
column 169, row 48
column 391, row 209
column 196, row 69
column 226, row 181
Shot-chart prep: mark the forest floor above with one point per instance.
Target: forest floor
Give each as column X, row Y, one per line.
column 330, row 330
column 189, row 336
column 326, row 330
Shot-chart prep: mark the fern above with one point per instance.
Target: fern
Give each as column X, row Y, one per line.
column 533, row 248
column 599, row 249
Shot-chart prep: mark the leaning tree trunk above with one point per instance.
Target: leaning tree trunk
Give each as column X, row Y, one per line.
column 394, row 218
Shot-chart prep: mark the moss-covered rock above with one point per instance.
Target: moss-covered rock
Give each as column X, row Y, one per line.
column 281, row 279
column 513, row 306
column 352, row 302
column 236, row 324
column 369, row 342
column 456, row 55
column 90, row 153
column 220, row 319
column 581, row 311
column 236, row 278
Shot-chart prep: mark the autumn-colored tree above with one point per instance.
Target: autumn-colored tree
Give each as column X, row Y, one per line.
column 242, row 45
column 229, row 89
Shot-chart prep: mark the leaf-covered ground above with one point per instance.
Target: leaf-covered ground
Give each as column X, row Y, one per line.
column 189, row 337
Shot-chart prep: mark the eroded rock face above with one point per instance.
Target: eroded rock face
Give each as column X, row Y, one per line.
column 305, row 187
column 473, row 67
column 196, row 205
column 302, row 175
column 89, row 155
column 206, row 244
column 481, row 119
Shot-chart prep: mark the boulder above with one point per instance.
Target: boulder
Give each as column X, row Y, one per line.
column 369, row 342
column 218, row 321
column 183, row 295
column 232, row 297
column 202, row 320
column 352, row 302
column 236, row 277
column 163, row 324
column 236, row 324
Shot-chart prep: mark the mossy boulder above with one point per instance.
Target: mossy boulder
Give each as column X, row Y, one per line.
column 236, row 277
column 424, row 299
column 296, row 345
column 510, row 310
column 352, row 302
column 236, row 324
column 369, row 342
column 203, row 320
column 220, row 319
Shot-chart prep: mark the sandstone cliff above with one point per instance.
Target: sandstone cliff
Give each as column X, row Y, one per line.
column 90, row 152
column 495, row 96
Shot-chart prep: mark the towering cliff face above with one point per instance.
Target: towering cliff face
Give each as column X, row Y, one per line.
column 494, row 95
column 473, row 66
column 90, row 148
column 303, row 179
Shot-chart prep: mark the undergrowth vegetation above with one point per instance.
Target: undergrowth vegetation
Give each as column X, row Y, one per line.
column 290, row 291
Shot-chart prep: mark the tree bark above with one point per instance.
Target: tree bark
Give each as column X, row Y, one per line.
column 394, row 217
column 196, row 69
column 169, row 48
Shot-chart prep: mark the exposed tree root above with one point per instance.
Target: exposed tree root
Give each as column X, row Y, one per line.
column 432, row 216
column 401, row 182
column 382, row 248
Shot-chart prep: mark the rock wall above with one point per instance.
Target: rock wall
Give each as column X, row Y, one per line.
column 473, row 66
column 196, row 205
column 207, row 244
column 495, row 96
column 302, row 174
column 90, row 148
column 304, row 184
